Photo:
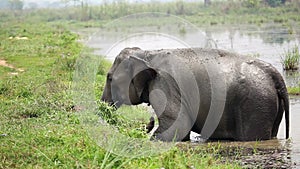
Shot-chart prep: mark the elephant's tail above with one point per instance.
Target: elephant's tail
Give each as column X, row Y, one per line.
column 283, row 96
column 284, row 105
column 285, row 99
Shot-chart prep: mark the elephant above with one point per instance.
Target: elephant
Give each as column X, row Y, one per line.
column 219, row 94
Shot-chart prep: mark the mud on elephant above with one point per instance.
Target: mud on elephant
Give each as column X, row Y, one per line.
column 219, row 94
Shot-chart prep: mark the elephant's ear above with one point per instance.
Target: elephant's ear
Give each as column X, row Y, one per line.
column 142, row 74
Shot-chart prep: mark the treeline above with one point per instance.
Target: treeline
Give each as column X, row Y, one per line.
column 11, row 4
column 19, row 4
column 272, row 3
column 116, row 9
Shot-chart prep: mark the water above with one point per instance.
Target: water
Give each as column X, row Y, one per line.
column 294, row 130
column 268, row 43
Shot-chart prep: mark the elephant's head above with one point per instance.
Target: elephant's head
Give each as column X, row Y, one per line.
column 128, row 79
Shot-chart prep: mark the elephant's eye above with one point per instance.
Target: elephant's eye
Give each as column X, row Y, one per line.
column 109, row 77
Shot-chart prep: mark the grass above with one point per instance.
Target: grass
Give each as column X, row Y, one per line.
column 291, row 58
column 294, row 90
column 39, row 127
column 219, row 13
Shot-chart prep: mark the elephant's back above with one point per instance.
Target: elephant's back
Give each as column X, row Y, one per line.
column 194, row 54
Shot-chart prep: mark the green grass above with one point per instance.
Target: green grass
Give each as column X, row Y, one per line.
column 219, row 13
column 291, row 58
column 39, row 127
column 294, row 90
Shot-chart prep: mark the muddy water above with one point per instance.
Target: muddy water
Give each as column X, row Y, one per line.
column 295, row 130
column 267, row 43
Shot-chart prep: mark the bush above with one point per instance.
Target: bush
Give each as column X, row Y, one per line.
column 290, row 60
column 251, row 3
column 274, row 3
column 129, row 127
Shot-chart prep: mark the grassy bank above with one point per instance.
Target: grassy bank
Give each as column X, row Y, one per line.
column 38, row 123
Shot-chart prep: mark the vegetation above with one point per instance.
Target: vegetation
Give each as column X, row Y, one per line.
column 274, row 3
column 294, row 90
column 291, row 58
column 251, row 3
column 218, row 13
column 11, row 4
column 39, row 127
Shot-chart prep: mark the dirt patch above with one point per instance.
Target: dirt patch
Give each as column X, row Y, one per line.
column 266, row 154
column 5, row 64
column 257, row 157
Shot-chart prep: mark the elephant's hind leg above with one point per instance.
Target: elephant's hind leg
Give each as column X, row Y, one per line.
column 256, row 122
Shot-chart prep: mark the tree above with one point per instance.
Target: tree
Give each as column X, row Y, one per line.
column 32, row 5
column 207, row 2
column 274, row 3
column 15, row 4
column 75, row 2
column 251, row 3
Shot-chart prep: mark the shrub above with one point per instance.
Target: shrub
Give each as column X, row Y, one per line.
column 290, row 59
column 251, row 3
column 274, row 3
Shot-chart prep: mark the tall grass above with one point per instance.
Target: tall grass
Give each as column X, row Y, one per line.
column 217, row 13
column 291, row 58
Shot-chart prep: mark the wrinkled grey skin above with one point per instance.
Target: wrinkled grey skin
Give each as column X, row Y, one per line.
column 256, row 95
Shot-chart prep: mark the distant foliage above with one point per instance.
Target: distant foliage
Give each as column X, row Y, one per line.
column 207, row 2
column 251, row 3
column 274, row 3
column 257, row 3
column 15, row 4
column 218, row 12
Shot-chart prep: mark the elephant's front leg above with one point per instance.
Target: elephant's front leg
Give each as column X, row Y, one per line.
column 174, row 121
column 173, row 128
